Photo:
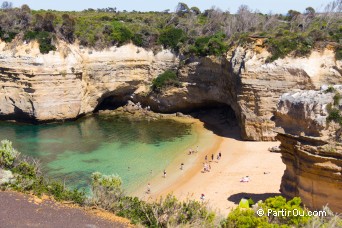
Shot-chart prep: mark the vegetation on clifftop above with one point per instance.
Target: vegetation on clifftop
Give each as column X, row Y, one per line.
column 187, row 30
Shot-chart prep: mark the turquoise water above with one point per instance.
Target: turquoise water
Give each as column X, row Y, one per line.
column 71, row 151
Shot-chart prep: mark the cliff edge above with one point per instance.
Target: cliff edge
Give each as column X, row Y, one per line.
column 311, row 147
column 74, row 80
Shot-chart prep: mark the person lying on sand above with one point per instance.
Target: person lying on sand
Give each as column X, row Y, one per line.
column 244, row 179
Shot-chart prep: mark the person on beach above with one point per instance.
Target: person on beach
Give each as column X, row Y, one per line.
column 202, row 197
column 190, row 151
column 164, row 173
column 218, row 157
column 212, row 157
column 220, row 154
column 182, row 165
column 148, row 188
column 206, row 158
column 204, row 167
column 244, row 179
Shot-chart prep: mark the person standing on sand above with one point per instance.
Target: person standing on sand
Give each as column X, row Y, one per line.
column 148, row 188
column 212, row 157
column 202, row 197
column 164, row 173
column 220, row 154
column 206, row 158
column 181, row 167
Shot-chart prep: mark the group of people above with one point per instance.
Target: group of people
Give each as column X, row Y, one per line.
column 206, row 164
column 192, row 151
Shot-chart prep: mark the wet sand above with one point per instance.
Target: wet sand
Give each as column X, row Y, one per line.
column 221, row 186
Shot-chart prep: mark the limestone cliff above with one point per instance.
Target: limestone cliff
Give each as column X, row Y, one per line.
column 310, row 148
column 74, row 80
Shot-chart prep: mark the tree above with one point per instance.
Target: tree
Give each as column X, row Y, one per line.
column 310, row 11
column 25, row 8
column 182, row 9
column 45, row 23
column 195, row 10
column 6, row 5
column 246, row 19
column 68, row 27
column 292, row 14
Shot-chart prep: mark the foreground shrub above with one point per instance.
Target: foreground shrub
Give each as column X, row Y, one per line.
column 7, row 154
column 28, row 177
column 106, row 190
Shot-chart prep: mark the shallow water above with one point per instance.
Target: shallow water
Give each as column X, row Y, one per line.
column 71, row 151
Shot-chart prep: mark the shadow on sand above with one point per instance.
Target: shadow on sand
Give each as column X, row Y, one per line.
column 235, row 198
column 220, row 120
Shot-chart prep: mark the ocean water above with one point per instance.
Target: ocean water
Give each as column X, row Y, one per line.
column 136, row 150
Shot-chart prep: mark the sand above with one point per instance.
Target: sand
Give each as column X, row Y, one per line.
column 221, row 186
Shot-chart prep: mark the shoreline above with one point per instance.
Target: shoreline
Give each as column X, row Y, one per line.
column 221, row 186
column 191, row 162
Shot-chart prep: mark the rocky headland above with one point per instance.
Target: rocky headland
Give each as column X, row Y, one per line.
column 75, row 80
column 311, row 146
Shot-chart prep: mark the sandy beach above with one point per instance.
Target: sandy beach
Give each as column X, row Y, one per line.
column 221, row 186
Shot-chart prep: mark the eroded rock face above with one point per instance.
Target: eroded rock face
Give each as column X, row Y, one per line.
column 73, row 81
column 310, row 150
column 304, row 112
column 313, row 171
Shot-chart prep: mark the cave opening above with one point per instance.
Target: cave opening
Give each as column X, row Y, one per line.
column 219, row 118
column 111, row 102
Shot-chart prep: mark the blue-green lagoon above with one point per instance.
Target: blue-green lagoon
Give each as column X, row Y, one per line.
column 136, row 150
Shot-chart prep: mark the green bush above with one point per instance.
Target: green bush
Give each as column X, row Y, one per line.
column 337, row 98
column 171, row 37
column 28, row 178
column 121, row 34
column 279, row 203
column 338, row 53
column 44, row 39
column 168, row 78
column 242, row 217
column 106, row 190
column 25, row 169
column 209, row 45
column 7, row 36
column 60, row 193
column 247, row 217
column 334, row 115
column 7, row 154
column 281, row 46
